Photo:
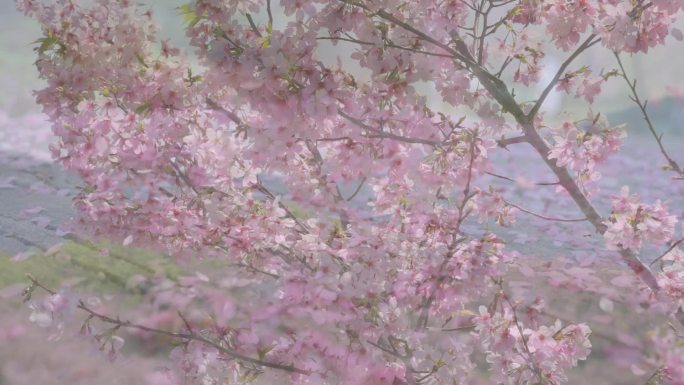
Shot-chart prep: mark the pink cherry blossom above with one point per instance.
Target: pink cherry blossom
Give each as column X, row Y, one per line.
column 352, row 219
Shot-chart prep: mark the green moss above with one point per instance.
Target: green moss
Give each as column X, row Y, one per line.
column 85, row 265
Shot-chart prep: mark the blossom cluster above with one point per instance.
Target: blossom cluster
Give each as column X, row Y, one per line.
column 581, row 147
column 530, row 355
column 633, row 223
column 336, row 192
column 672, row 275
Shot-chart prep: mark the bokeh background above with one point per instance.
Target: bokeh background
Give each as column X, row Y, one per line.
column 35, row 202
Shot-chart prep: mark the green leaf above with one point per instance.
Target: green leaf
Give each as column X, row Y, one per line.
column 392, row 75
column 142, row 109
column 192, row 79
column 46, row 43
column 141, row 60
column 582, row 70
column 190, row 15
column 264, row 41
column 262, row 352
column 187, row 12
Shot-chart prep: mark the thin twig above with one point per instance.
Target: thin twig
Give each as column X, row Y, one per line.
column 384, row 134
column 642, row 107
column 358, row 189
column 533, row 364
column 264, row 190
column 253, row 25
column 561, row 70
column 386, row 44
column 513, row 180
column 675, row 244
column 185, row 321
column 118, row 323
column 270, row 14
column 35, row 283
column 544, row 217
column 190, row 336
column 427, row 303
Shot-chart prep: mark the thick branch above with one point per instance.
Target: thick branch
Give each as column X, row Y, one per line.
column 499, row 91
column 564, row 178
column 504, row 142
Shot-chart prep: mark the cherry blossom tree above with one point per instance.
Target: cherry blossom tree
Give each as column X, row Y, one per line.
column 363, row 240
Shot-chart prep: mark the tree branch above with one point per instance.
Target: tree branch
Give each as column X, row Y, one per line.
column 642, row 107
column 675, row 244
column 427, row 303
column 190, row 336
column 499, row 91
column 384, row 134
column 513, row 180
column 561, row 70
column 358, row 189
column 544, row 217
column 504, row 142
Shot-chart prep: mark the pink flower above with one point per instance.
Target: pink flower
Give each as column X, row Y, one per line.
column 56, row 303
column 632, row 223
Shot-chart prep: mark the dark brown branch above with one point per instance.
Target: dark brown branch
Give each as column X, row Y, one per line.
column 504, row 142
column 254, row 269
column 253, row 25
column 483, row 35
column 530, row 357
column 675, row 244
column 378, row 133
column 642, row 107
column 561, row 70
column 264, row 190
column 230, row 114
column 544, row 217
column 270, row 13
column 35, row 283
column 565, row 180
column 190, row 336
column 467, row 195
column 391, row 18
column 459, row 328
column 185, row 322
column 638, row 8
column 358, row 188
column 384, row 349
column 513, row 180
column 339, row 139
column 385, row 44
column 656, row 377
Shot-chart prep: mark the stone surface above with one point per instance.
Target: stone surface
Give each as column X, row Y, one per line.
column 35, row 201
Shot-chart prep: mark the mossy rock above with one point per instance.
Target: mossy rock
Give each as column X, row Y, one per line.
column 98, row 268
